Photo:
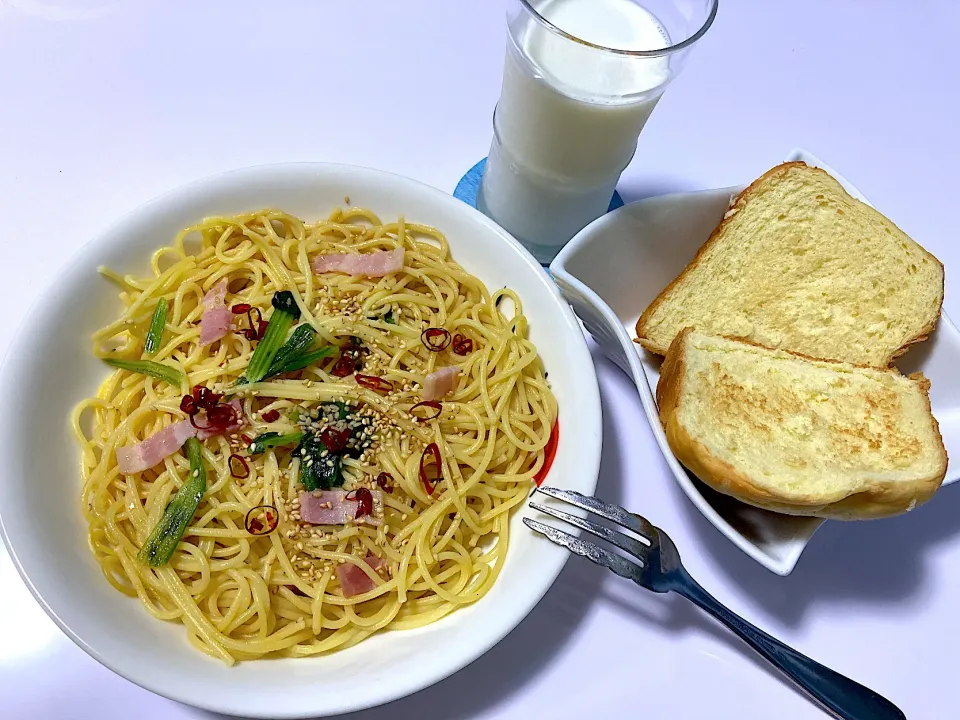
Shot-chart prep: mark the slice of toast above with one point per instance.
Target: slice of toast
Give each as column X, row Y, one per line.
column 799, row 264
column 798, row 435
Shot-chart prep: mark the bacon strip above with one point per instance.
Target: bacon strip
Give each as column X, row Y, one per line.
column 331, row 507
column 146, row 454
column 440, row 382
column 375, row 264
column 353, row 580
column 217, row 320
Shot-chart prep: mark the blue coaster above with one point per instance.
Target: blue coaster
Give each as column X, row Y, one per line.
column 469, row 185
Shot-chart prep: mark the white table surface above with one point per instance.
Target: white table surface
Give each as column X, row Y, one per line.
column 106, row 103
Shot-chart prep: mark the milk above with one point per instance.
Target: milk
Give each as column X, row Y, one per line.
column 569, row 116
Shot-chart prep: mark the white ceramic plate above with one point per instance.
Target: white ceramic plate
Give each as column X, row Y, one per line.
column 49, row 368
column 618, row 264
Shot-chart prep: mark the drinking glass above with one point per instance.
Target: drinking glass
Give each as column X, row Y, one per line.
column 580, row 79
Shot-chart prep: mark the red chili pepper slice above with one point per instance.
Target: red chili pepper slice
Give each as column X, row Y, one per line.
column 364, row 500
column 238, row 466
column 270, row 416
column 385, row 482
column 206, row 398
column 344, row 366
column 375, row 383
column 430, row 484
column 255, row 328
column 435, row 339
column 335, row 440
column 257, row 526
column 218, row 419
column 222, row 414
column 189, row 405
column 434, row 405
column 462, row 345
column 240, row 308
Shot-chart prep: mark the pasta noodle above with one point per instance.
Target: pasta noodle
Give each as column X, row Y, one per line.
column 438, row 537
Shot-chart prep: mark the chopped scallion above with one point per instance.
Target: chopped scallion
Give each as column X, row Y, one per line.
column 302, row 360
column 285, row 313
column 298, row 352
column 271, row 440
column 163, row 541
column 157, row 326
column 149, row 367
column 300, row 339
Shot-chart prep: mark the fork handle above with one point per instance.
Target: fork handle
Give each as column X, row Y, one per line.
column 839, row 694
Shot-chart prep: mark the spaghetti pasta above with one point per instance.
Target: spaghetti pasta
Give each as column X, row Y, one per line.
column 334, row 507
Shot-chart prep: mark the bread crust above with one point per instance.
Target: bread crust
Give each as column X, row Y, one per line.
column 741, row 199
column 737, row 204
column 882, row 498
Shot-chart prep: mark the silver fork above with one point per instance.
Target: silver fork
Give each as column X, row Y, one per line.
column 659, row 569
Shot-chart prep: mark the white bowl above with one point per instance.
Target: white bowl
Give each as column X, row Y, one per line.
column 618, row 264
column 49, row 368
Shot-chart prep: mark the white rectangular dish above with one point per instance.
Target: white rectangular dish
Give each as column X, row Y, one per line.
column 618, row 264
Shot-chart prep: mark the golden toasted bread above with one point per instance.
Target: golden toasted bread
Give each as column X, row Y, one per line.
column 799, row 264
column 799, row 435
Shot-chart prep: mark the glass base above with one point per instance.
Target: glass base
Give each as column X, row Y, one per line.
column 468, row 189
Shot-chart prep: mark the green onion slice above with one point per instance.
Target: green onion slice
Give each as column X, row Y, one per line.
column 285, row 313
column 271, row 440
column 148, row 367
column 159, row 547
column 157, row 326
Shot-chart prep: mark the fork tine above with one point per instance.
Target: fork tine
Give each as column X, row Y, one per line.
column 594, row 553
column 614, row 513
column 647, row 529
column 634, row 547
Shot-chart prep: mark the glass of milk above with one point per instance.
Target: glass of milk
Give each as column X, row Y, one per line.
column 580, row 79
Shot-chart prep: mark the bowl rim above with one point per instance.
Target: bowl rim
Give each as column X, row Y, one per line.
column 577, row 354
